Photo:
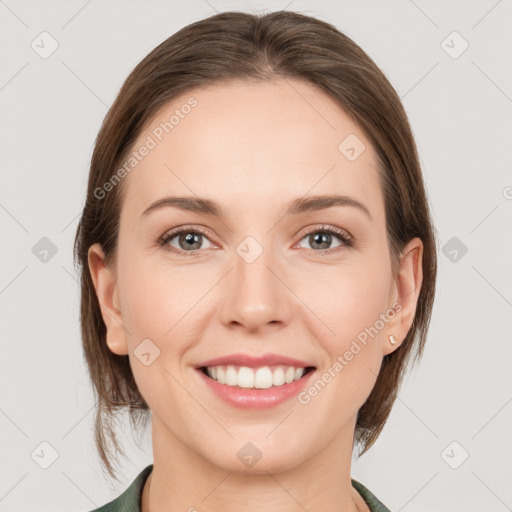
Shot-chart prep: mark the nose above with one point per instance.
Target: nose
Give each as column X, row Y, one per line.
column 256, row 298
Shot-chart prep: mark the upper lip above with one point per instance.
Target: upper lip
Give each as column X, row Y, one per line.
column 255, row 361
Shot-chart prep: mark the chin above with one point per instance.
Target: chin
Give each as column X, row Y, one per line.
column 257, row 458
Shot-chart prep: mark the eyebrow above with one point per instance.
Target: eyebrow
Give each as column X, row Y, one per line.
column 295, row 207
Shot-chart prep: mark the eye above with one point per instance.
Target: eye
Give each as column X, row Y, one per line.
column 321, row 238
column 189, row 241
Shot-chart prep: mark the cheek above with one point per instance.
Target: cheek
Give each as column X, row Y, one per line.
column 350, row 305
column 165, row 305
column 157, row 307
column 350, row 299
column 153, row 299
column 348, row 302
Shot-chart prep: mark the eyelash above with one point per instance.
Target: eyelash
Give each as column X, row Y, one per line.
column 343, row 236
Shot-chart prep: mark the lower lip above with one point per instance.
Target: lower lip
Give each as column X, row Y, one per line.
column 256, row 398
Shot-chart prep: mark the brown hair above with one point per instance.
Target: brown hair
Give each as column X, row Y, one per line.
column 239, row 46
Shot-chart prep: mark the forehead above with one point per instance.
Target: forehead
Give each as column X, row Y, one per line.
column 244, row 143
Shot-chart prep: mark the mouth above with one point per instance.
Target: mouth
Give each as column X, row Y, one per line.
column 266, row 377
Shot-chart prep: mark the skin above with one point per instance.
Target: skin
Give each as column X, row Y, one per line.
column 253, row 148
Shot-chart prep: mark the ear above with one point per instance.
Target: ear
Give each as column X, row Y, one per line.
column 104, row 280
column 406, row 289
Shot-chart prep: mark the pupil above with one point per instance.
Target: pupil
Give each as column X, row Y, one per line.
column 322, row 238
column 191, row 238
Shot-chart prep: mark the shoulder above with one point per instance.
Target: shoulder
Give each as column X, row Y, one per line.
column 374, row 504
column 130, row 499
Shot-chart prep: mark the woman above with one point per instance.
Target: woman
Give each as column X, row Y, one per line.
column 258, row 265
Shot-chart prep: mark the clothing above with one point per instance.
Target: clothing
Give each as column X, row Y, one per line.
column 130, row 499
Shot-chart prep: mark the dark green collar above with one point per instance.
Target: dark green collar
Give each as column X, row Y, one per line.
column 373, row 503
column 130, row 500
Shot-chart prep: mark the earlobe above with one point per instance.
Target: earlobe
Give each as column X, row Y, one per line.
column 105, row 285
column 408, row 286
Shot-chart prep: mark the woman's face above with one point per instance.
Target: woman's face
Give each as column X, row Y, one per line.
column 257, row 279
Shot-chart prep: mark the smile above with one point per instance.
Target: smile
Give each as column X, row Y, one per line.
column 255, row 378
column 246, row 387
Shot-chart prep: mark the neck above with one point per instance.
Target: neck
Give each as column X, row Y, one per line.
column 183, row 480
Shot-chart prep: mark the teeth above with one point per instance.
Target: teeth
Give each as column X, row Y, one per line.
column 278, row 377
column 260, row 378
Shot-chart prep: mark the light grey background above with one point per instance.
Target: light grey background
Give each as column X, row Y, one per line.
column 461, row 113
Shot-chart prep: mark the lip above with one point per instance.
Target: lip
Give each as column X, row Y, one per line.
column 254, row 361
column 255, row 398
